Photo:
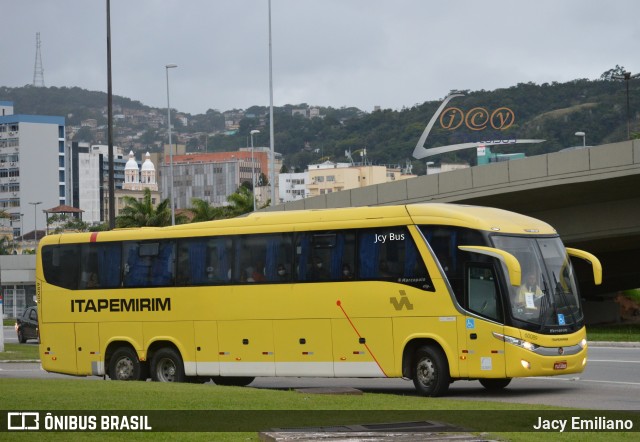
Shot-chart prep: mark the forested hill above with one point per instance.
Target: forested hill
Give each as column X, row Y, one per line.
column 553, row 112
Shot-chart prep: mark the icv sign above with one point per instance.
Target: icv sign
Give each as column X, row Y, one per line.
column 476, row 119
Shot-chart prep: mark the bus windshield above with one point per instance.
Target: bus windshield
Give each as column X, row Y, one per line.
column 547, row 296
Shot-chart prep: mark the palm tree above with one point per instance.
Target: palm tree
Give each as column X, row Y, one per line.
column 240, row 202
column 204, row 211
column 143, row 214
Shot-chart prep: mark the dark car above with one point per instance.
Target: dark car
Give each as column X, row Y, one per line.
column 27, row 325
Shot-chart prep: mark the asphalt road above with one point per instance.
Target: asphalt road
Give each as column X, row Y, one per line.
column 611, row 381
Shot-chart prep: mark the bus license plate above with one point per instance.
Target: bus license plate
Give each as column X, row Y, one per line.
column 560, row 365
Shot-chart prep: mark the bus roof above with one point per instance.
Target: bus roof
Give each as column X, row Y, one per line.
column 476, row 217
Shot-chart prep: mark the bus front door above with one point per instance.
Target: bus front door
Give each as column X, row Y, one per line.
column 483, row 326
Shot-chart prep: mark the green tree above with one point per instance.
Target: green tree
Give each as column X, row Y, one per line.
column 66, row 223
column 204, row 211
column 608, row 75
column 240, row 202
column 5, row 247
column 143, row 214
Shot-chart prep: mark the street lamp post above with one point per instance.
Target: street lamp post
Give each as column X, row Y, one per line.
column 35, row 221
column 171, row 199
column 626, row 76
column 272, row 172
column 584, row 138
column 253, row 171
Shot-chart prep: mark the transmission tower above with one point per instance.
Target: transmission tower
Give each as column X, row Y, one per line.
column 38, row 71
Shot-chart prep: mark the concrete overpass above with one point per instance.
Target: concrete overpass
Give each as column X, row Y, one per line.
column 591, row 196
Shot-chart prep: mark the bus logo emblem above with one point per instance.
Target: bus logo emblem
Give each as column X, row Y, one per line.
column 402, row 302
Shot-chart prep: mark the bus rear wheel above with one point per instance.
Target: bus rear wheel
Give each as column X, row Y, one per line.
column 431, row 371
column 124, row 365
column 233, row 381
column 495, row 384
column 167, row 366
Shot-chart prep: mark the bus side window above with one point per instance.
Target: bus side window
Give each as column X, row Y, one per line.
column 302, row 255
column 343, row 257
column 250, row 257
column 148, row 264
column 278, row 257
column 136, row 269
column 204, row 261
column 89, row 267
column 163, row 264
column 391, row 255
column 61, row 264
column 109, row 257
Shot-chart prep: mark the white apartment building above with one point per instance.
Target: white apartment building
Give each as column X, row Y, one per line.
column 88, row 179
column 292, row 186
column 32, row 167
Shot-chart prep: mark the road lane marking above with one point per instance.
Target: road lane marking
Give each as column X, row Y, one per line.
column 553, row 378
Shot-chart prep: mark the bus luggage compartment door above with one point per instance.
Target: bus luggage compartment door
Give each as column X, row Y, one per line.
column 246, row 348
column 58, row 348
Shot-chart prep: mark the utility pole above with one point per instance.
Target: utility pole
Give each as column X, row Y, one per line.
column 112, row 184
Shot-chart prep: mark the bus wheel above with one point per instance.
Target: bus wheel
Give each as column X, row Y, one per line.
column 124, row 365
column 167, row 366
column 233, row 381
column 495, row 384
column 431, row 371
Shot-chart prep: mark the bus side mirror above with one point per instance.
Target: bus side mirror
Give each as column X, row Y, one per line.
column 595, row 263
column 510, row 261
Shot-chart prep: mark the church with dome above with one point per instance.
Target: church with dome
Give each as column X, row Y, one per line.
column 136, row 178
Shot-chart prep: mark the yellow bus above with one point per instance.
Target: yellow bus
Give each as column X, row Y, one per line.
column 429, row 292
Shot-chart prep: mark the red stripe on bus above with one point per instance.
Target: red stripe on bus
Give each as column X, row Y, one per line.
column 94, row 236
column 339, row 304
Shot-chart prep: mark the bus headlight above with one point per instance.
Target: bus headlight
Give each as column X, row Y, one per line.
column 525, row 364
column 515, row 341
column 583, row 344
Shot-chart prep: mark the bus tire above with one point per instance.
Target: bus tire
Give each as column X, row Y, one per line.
column 124, row 365
column 232, row 381
column 430, row 371
column 495, row 384
column 167, row 366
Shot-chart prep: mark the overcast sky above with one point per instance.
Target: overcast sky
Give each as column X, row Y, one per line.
column 361, row 53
